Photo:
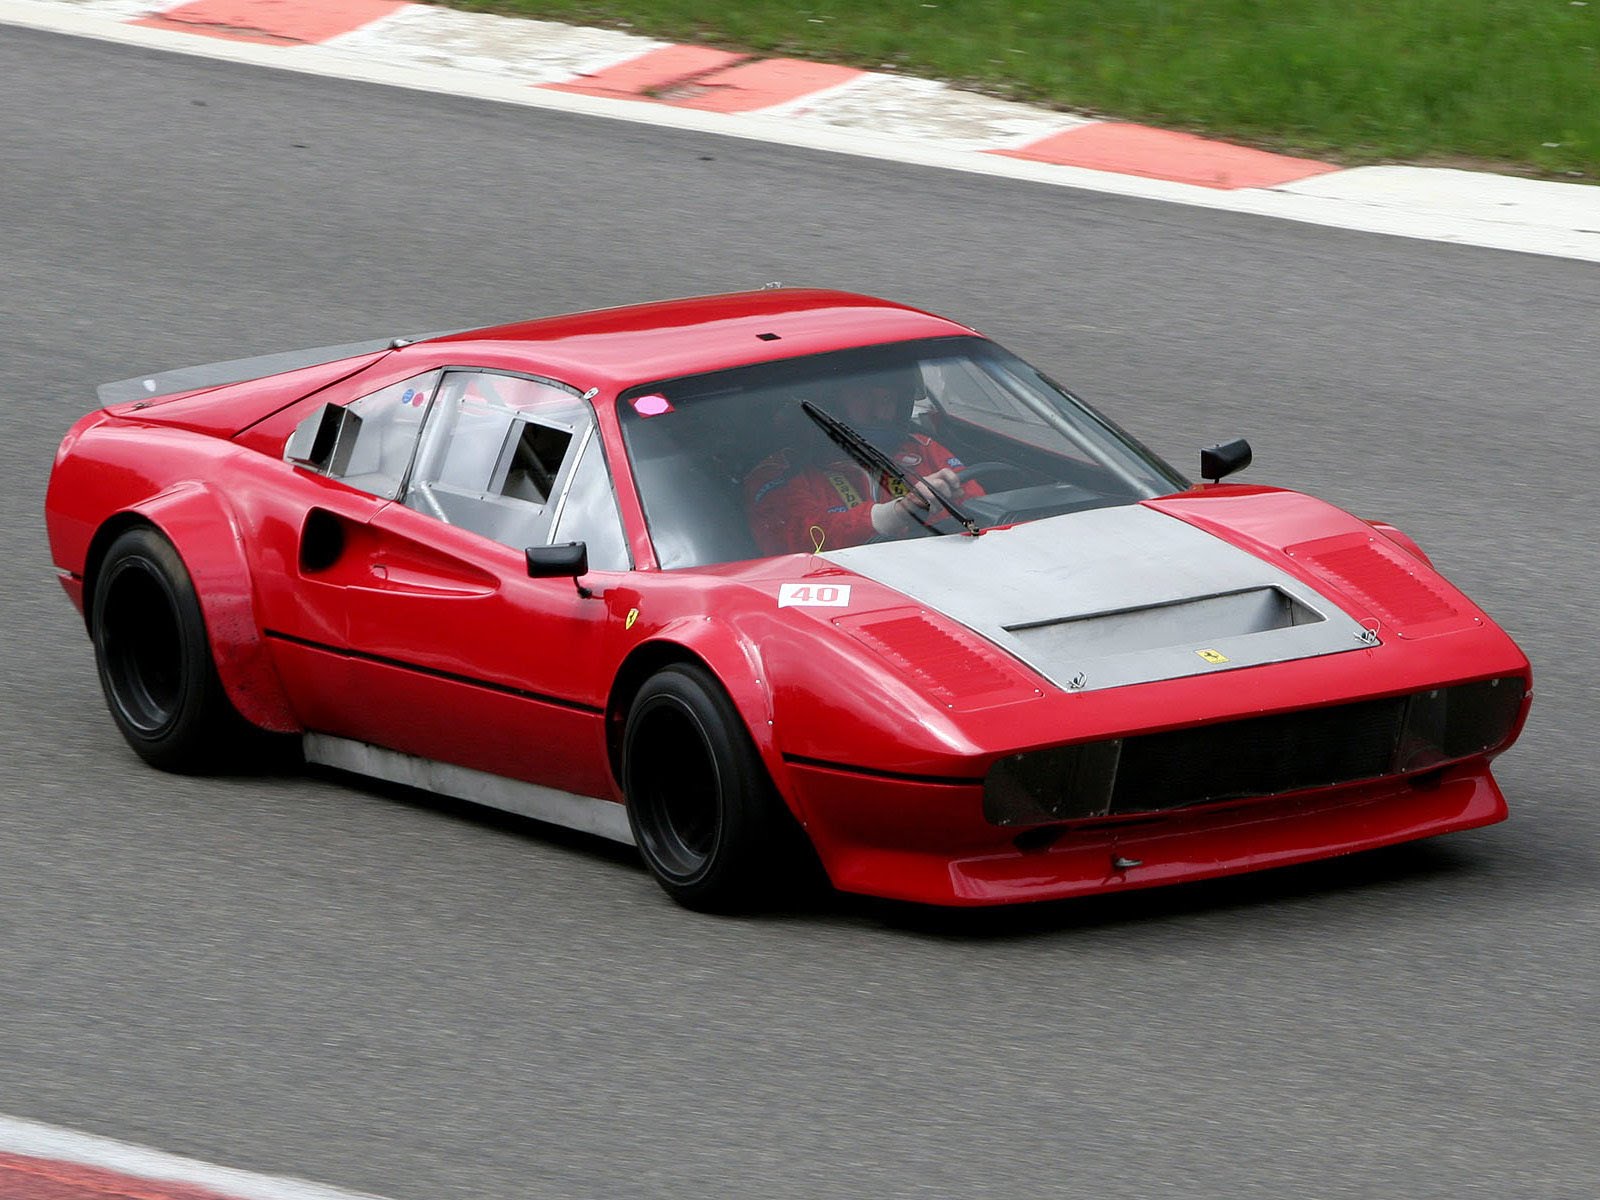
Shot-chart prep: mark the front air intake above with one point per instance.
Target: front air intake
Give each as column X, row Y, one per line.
column 1260, row 756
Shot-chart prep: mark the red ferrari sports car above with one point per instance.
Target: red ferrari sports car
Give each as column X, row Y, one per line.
column 786, row 575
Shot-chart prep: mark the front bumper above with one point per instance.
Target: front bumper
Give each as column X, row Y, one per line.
column 928, row 842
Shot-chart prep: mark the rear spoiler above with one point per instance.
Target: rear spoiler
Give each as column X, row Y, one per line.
column 211, row 375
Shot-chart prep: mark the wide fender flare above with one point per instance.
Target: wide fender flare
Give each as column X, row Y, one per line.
column 735, row 658
column 204, row 529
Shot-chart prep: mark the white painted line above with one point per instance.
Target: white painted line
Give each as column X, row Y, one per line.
column 1441, row 192
column 123, row 10
column 36, row 1140
column 1471, row 212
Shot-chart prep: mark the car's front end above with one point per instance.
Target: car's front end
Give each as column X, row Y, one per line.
column 1010, row 654
column 1075, row 709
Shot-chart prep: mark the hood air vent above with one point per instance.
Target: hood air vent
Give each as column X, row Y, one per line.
column 1376, row 576
column 946, row 668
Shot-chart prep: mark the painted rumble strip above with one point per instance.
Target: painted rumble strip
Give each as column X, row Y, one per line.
column 1165, row 154
column 288, row 22
column 606, row 73
column 46, row 1162
column 709, row 80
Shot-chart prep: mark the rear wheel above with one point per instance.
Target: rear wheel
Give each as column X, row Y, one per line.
column 154, row 658
column 704, row 813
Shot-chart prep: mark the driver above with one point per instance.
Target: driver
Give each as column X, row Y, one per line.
column 796, row 503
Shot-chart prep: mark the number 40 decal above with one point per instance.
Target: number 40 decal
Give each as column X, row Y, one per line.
column 813, row 595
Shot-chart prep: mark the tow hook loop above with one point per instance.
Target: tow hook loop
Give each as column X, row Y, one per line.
column 1118, row 863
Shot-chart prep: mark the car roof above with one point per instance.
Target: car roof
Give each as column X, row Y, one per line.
column 613, row 348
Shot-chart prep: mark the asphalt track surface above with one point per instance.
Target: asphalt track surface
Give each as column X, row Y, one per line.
column 309, row 976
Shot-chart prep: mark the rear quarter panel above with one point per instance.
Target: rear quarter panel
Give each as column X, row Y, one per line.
column 112, row 473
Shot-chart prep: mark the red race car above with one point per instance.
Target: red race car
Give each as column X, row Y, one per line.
column 786, row 576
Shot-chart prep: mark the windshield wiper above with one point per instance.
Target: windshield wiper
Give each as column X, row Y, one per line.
column 870, row 457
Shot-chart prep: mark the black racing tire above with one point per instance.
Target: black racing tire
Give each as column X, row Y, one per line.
column 706, row 818
column 154, row 657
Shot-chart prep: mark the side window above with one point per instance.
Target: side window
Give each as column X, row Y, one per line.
column 376, row 437
column 589, row 512
column 494, row 453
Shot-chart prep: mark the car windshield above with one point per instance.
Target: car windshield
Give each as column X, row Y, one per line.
column 750, row 462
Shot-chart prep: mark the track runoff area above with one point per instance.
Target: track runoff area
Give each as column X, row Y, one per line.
column 606, row 73
column 817, row 106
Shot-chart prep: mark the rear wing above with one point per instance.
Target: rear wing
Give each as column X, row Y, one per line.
column 238, row 370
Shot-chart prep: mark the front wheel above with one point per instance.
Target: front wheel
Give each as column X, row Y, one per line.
column 154, row 658
column 704, row 813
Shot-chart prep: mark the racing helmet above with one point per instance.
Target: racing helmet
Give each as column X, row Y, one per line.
column 881, row 400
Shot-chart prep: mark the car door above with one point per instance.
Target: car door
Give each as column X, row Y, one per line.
column 345, row 464
column 456, row 654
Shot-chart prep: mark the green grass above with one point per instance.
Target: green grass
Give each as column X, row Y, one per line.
column 1508, row 84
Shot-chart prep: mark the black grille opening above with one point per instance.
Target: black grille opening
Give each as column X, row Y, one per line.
column 1257, row 756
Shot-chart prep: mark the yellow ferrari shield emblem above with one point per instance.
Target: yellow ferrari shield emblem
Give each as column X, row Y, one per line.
column 633, row 615
column 1212, row 656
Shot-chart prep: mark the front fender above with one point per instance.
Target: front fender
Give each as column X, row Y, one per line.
column 203, row 528
column 737, row 663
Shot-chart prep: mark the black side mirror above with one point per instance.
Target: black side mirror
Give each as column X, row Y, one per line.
column 1225, row 459
column 568, row 559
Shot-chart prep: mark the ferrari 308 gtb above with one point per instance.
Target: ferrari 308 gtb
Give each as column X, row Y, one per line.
column 787, row 576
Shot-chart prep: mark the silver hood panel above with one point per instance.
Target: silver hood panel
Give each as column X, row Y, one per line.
column 1113, row 596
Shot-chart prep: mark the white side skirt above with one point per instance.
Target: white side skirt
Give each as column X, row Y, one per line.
column 585, row 813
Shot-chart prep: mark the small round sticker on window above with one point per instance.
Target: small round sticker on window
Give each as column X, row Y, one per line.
column 653, row 405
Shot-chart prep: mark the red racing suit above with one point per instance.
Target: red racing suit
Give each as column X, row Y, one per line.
column 786, row 501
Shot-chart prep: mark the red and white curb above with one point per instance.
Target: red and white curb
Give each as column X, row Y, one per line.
column 614, row 74
column 46, row 1162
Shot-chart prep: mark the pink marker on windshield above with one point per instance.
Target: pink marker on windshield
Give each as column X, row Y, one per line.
column 652, row 405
